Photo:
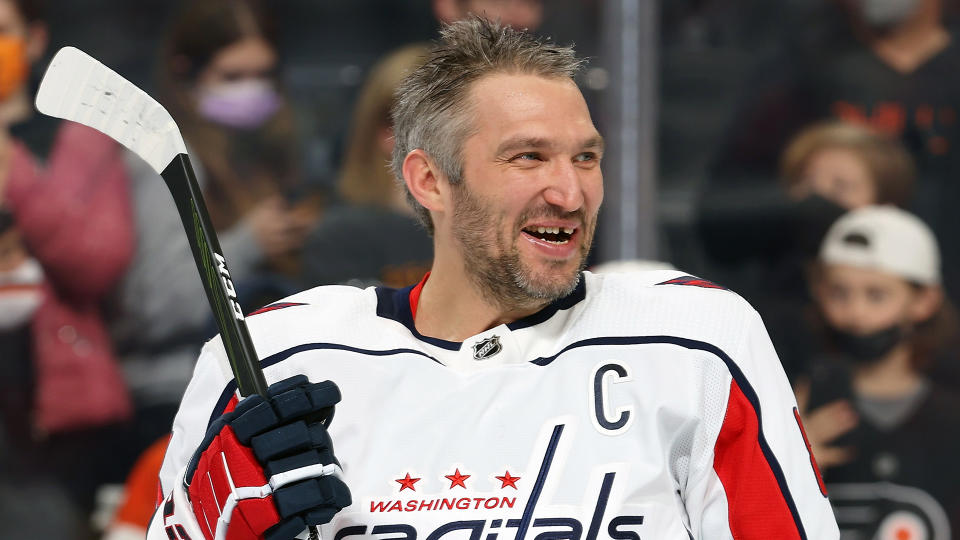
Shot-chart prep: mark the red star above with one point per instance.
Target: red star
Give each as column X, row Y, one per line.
column 903, row 534
column 508, row 480
column 457, row 479
column 407, row 482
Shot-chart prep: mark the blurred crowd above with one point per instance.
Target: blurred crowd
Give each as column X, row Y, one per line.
column 825, row 198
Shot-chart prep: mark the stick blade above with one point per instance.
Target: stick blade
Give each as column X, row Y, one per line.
column 79, row 88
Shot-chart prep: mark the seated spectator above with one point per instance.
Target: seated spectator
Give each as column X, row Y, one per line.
column 884, row 432
column 763, row 245
column 374, row 237
column 890, row 67
column 848, row 164
column 65, row 240
column 219, row 79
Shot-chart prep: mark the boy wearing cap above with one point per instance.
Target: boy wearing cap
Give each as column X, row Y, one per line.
column 885, row 435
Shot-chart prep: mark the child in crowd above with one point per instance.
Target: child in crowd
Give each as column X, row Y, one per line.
column 348, row 245
column 883, row 431
column 849, row 165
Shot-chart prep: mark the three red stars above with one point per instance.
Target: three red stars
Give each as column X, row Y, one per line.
column 457, row 479
column 407, row 482
column 508, row 480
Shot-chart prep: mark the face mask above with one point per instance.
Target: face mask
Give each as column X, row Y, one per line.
column 885, row 13
column 20, row 294
column 13, row 66
column 242, row 105
column 868, row 348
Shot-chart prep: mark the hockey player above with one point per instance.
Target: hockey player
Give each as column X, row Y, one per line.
column 508, row 395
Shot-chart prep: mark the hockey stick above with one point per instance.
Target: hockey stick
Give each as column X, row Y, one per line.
column 78, row 88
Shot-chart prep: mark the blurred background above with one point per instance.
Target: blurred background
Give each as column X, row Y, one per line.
column 739, row 132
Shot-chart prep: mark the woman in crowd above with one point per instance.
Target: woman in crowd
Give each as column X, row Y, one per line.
column 884, row 432
column 65, row 240
column 219, row 77
column 351, row 244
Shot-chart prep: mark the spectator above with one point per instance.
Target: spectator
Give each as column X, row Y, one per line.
column 883, row 432
column 66, row 239
column 848, row 164
column 764, row 245
column 524, row 14
column 219, row 80
column 351, row 244
column 892, row 67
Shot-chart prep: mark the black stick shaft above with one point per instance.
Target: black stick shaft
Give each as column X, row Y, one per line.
column 217, row 283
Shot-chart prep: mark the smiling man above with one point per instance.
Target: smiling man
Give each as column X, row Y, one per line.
column 509, row 395
column 514, row 220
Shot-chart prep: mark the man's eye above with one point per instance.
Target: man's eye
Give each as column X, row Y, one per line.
column 527, row 156
column 586, row 156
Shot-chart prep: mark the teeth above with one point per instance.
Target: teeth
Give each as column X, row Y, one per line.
column 555, row 230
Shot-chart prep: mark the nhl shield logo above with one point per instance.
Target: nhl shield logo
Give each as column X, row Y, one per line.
column 486, row 348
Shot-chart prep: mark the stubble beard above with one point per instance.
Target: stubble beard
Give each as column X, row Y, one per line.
column 494, row 265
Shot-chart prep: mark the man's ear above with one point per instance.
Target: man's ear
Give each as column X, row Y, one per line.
column 926, row 302
column 36, row 41
column 423, row 179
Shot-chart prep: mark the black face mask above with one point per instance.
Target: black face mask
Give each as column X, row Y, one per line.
column 867, row 348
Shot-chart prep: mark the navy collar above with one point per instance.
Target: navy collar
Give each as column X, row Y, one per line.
column 394, row 304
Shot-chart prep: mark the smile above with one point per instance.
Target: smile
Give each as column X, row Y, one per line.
column 553, row 235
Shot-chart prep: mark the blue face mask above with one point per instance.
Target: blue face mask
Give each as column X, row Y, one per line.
column 242, row 104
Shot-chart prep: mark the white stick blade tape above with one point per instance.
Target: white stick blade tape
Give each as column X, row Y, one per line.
column 79, row 88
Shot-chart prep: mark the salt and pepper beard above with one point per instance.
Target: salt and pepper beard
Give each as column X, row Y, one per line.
column 494, row 265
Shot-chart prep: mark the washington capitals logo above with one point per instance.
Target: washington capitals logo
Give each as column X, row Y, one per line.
column 486, row 348
column 495, row 513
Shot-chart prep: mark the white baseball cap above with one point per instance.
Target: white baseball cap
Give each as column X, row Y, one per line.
column 887, row 239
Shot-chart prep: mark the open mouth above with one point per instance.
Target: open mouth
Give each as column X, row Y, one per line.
column 553, row 235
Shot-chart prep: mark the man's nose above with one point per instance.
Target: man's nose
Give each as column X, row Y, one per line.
column 564, row 187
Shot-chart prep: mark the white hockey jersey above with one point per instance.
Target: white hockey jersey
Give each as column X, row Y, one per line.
column 642, row 406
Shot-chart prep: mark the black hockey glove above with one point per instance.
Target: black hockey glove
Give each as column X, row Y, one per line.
column 267, row 469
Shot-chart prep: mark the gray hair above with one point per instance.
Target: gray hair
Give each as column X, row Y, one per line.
column 431, row 110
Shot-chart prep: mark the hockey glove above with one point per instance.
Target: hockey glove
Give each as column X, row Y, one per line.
column 266, row 469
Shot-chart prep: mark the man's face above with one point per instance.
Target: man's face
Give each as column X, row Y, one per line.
column 524, row 215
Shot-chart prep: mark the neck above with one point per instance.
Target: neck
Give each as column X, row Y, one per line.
column 452, row 306
column 910, row 44
column 891, row 377
column 16, row 108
